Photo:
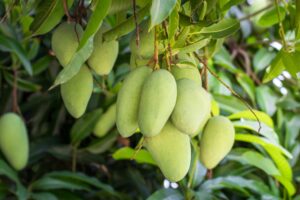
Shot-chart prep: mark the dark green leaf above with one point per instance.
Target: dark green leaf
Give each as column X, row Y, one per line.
column 160, row 10
column 222, row 29
column 270, row 17
column 166, row 194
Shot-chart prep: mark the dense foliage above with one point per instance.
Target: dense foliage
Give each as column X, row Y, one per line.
column 248, row 55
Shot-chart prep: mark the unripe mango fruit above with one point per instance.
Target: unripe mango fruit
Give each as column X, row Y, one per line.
column 192, row 106
column 171, row 150
column 104, row 54
column 14, row 140
column 158, row 99
column 65, row 41
column 77, row 91
column 128, row 100
column 188, row 72
column 216, row 141
column 106, row 122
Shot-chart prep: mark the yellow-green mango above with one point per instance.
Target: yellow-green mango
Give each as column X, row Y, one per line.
column 146, row 43
column 14, row 140
column 188, row 72
column 216, row 141
column 158, row 99
column 171, row 150
column 65, row 41
column 104, row 54
column 128, row 101
column 76, row 92
column 106, row 122
column 192, row 106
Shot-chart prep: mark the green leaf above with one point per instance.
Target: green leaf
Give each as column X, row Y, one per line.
column 127, row 153
column 166, row 194
column 126, row 26
column 275, row 69
column 22, row 84
column 49, row 14
column 291, row 62
column 262, row 59
column 247, row 114
column 264, row 142
column 229, row 103
column 265, row 130
column 192, row 47
column 173, row 21
column 247, row 84
column 258, row 160
column 41, row 64
column 270, row 17
column 266, row 99
column 84, row 126
column 160, row 10
column 44, row 196
column 223, row 28
column 231, row 3
column 11, row 45
column 287, row 184
column 85, row 47
column 102, row 144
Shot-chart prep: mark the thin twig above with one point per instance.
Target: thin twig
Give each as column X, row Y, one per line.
column 137, row 28
column 209, row 174
column 256, row 13
column 65, row 3
column 15, row 107
column 234, row 93
column 204, row 62
column 281, row 29
column 155, row 56
column 138, row 148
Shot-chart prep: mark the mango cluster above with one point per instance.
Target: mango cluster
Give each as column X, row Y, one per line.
column 76, row 92
column 169, row 108
column 14, row 140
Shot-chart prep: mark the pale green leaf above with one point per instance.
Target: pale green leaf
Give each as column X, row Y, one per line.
column 160, row 10
column 247, row 114
column 223, row 28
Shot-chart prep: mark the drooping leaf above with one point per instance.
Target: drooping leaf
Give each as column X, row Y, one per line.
column 85, row 47
column 49, row 14
column 247, row 114
column 247, row 84
column 166, row 194
column 127, row 153
column 291, row 62
column 11, row 45
column 160, row 10
column 275, row 69
column 222, row 29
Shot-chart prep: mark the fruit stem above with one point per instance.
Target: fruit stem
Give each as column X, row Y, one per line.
column 169, row 61
column 137, row 29
column 233, row 92
column 138, row 148
column 281, row 29
column 69, row 18
column 155, row 56
column 15, row 107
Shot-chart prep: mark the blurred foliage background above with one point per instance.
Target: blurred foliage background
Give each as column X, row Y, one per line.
column 68, row 162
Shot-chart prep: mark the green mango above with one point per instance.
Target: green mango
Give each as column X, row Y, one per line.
column 76, row 92
column 188, row 72
column 65, row 41
column 146, row 43
column 104, row 54
column 128, row 101
column 192, row 106
column 106, row 122
column 216, row 141
column 171, row 150
column 14, row 140
column 158, row 100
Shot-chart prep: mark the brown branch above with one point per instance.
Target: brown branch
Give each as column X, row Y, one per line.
column 65, row 3
column 155, row 56
column 209, row 174
column 204, row 62
column 233, row 92
column 137, row 28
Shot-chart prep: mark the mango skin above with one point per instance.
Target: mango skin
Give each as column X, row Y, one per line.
column 76, row 92
column 171, row 150
column 188, row 72
column 106, row 122
column 216, row 141
column 158, row 100
column 104, row 54
column 65, row 42
column 192, row 106
column 14, row 140
column 128, row 101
